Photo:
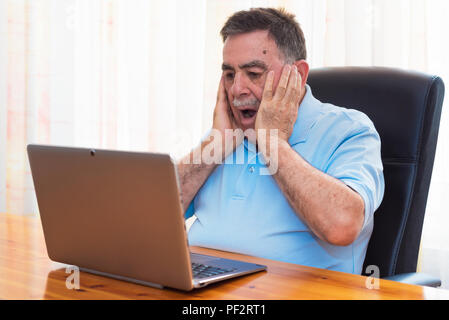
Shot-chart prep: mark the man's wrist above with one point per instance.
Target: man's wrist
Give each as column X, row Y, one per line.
column 270, row 147
column 217, row 145
column 270, row 142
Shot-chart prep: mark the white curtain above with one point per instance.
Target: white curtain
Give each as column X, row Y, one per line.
column 142, row 74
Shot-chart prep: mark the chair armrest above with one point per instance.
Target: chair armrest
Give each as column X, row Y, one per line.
column 420, row 279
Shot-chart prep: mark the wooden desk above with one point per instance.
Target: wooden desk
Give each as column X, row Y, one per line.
column 26, row 272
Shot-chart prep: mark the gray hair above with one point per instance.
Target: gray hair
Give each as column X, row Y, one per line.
column 281, row 26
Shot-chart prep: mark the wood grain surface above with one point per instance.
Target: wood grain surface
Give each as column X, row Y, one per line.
column 26, row 272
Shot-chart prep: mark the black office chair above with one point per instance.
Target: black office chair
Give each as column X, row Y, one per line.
column 405, row 107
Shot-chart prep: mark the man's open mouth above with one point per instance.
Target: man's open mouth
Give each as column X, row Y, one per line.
column 248, row 113
column 248, row 110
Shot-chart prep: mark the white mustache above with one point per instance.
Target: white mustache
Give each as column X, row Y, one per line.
column 246, row 102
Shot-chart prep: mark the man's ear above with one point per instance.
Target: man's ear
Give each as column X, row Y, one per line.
column 303, row 68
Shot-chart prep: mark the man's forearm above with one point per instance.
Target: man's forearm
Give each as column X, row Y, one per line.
column 332, row 210
column 192, row 175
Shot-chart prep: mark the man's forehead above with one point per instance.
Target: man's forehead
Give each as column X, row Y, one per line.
column 245, row 48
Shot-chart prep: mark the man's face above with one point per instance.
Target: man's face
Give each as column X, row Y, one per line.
column 247, row 59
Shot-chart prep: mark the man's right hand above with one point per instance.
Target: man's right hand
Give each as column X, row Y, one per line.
column 224, row 122
column 223, row 117
column 193, row 175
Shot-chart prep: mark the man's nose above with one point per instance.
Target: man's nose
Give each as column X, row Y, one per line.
column 240, row 85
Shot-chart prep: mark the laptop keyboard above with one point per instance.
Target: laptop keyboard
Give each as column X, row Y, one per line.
column 204, row 271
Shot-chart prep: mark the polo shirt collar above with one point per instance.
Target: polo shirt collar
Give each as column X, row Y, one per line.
column 308, row 113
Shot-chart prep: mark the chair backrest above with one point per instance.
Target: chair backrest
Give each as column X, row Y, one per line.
column 405, row 108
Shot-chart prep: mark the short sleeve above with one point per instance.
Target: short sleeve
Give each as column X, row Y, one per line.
column 357, row 162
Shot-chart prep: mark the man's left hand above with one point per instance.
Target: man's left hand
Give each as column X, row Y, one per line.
column 280, row 111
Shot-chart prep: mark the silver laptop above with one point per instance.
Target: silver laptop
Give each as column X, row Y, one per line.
column 119, row 214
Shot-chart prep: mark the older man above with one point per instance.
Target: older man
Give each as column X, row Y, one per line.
column 317, row 206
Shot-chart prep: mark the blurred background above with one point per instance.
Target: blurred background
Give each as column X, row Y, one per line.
column 142, row 75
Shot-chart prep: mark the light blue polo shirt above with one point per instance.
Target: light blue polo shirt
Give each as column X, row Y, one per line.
column 240, row 210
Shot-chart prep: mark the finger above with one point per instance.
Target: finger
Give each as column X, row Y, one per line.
column 268, row 90
column 283, row 82
column 229, row 112
column 221, row 89
column 291, row 94
column 299, row 89
column 231, row 116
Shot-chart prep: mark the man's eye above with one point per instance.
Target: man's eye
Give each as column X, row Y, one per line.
column 253, row 75
column 229, row 76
